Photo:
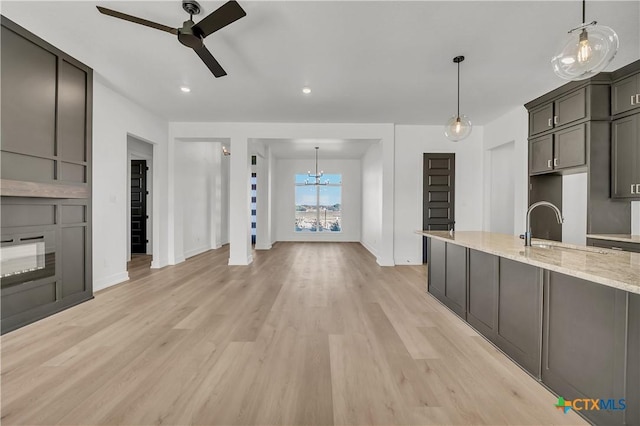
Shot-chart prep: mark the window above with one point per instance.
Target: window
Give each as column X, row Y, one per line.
column 319, row 207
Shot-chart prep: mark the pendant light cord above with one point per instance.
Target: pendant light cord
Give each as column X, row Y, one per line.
column 458, row 116
column 584, row 5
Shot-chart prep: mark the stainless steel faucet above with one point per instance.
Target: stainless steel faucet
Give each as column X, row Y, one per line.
column 527, row 235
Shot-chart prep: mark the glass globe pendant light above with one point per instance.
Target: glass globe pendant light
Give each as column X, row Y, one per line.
column 457, row 127
column 586, row 50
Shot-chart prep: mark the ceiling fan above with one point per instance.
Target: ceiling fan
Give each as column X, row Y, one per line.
column 191, row 34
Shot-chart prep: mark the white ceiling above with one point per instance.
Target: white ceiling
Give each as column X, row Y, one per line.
column 366, row 62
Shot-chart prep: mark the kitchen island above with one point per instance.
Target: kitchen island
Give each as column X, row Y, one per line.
column 569, row 315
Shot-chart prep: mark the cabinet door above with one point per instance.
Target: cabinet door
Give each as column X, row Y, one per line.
column 436, row 262
column 623, row 94
column 624, row 144
column 584, row 342
column 541, row 155
column 483, row 292
column 569, row 147
column 570, row 107
column 541, row 119
column 520, row 313
column 456, row 283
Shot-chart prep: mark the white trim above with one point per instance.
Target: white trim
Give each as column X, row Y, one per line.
column 389, row 262
column 196, row 251
column 114, row 279
column 369, row 248
column 263, row 247
column 241, row 262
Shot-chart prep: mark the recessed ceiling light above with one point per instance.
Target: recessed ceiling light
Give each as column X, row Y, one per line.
column 185, row 89
column 306, row 90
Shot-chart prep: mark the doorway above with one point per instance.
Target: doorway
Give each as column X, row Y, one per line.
column 438, row 194
column 139, row 206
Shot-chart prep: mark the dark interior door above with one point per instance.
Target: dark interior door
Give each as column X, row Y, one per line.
column 139, row 206
column 439, row 173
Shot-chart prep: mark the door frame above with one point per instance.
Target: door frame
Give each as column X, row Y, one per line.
column 152, row 212
column 426, row 155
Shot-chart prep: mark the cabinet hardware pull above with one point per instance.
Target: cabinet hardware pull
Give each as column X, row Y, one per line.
column 637, row 188
column 638, row 98
column 551, row 124
column 616, row 248
column 555, row 119
column 632, row 99
column 7, row 241
column 632, row 187
column 555, row 162
column 549, row 163
column 41, row 237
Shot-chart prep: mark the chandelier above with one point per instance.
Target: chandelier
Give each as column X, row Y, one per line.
column 316, row 177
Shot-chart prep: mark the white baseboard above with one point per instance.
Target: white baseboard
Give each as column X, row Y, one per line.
column 195, row 252
column 241, row 262
column 263, row 247
column 385, row 261
column 102, row 283
column 369, row 248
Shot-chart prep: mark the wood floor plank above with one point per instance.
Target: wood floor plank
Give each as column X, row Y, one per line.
column 308, row 334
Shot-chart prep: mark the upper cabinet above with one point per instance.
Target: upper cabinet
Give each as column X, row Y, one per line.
column 570, row 131
column 564, row 110
column 625, row 132
column 46, row 118
column 625, row 94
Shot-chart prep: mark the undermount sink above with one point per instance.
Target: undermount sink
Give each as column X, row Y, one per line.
column 563, row 247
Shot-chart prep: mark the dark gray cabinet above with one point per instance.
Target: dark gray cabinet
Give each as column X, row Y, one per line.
column 625, row 155
column 46, row 112
column 563, row 149
column 482, row 311
column 447, row 279
column 625, row 94
column 584, row 342
column 614, row 245
column 520, row 313
column 541, row 154
column 556, row 113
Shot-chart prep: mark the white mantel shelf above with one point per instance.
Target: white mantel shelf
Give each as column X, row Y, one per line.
column 612, row 268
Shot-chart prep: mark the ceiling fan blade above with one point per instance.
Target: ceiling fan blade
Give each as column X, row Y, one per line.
column 136, row 20
column 219, row 18
column 210, row 61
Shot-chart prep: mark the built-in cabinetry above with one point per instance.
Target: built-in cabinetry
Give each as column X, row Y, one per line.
column 614, row 244
column 570, row 132
column 625, row 134
column 585, row 331
column 625, row 91
column 45, row 178
column 504, row 297
column 581, row 339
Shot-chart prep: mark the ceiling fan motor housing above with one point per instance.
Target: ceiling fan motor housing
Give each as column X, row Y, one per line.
column 187, row 37
column 191, row 7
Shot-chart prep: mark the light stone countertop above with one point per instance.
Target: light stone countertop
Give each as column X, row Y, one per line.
column 617, row 269
column 625, row 238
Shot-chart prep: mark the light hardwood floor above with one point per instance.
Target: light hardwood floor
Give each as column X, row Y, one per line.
column 310, row 333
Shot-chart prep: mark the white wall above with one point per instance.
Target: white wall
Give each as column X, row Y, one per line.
column 501, row 191
column 195, row 174
column 574, row 208
column 371, row 225
column 411, row 142
column 511, row 128
column 284, row 199
column 224, row 200
column 114, row 118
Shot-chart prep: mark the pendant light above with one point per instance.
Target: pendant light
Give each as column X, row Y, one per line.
column 458, row 127
column 586, row 50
